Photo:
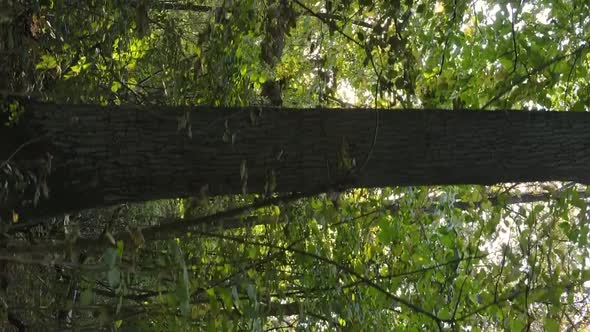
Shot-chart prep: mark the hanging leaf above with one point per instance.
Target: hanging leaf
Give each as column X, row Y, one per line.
column 552, row 325
column 243, row 170
column 87, row 296
column 114, row 277
column 253, row 118
column 184, row 294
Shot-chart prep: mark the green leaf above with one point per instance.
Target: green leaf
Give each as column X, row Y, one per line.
column 579, row 106
column 252, row 252
column 565, row 227
column 583, row 239
column 226, row 296
column 115, row 86
column 517, row 325
column 185, row 308
column 360, row 36
column 447, row 240
column 551, row 325
column 114, row 277
column 387, row 233
column 251, row 290
column 235, row 296
column 47, row 62
column 120, row 245
column 110, row 257
column 444, row 313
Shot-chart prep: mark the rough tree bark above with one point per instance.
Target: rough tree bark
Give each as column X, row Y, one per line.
column 108, row 155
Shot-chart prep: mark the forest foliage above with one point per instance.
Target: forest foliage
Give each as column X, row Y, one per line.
column 509, row 257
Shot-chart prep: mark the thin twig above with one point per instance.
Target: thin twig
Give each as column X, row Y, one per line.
column 323, row 19
column 514, row 45
column 539, row 69
column 367, row 281
column 22, row 146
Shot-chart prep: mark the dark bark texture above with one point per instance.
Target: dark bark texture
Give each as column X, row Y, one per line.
column 108, row 155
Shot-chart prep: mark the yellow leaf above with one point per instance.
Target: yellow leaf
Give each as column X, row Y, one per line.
column 439, row 7
column 136, row 236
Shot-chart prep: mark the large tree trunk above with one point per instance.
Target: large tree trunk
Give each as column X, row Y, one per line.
column 109, row 155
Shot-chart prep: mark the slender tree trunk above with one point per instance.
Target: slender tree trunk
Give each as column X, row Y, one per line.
column 107, row 155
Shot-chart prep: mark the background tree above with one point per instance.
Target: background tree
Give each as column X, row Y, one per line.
column 104, row 156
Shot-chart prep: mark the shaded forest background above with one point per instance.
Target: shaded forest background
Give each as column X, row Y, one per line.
column 510, row 256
